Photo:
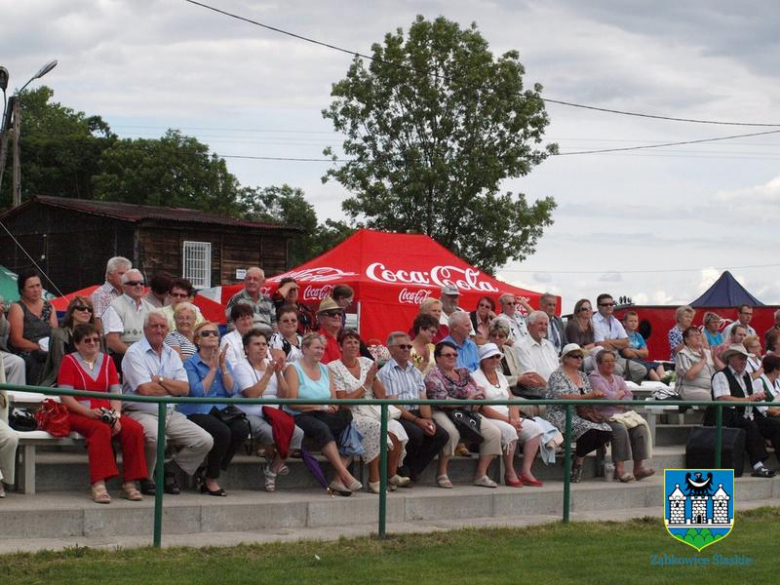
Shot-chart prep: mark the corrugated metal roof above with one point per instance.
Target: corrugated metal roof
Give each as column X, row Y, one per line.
column 136, row 213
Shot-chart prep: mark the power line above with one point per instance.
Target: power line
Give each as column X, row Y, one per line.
column 546, row 100
column 654, row 271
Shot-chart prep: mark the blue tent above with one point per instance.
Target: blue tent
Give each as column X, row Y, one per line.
column 726, row 292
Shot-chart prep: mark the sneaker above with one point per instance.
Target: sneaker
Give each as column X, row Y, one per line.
column 762, row 472
column 399, row 481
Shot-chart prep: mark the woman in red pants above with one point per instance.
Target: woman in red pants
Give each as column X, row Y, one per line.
column 98, row 419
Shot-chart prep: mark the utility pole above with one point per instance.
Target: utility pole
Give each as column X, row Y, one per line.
column 16, row 194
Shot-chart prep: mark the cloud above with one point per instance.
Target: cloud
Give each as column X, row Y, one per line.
column 611, row 277
column 542, row 277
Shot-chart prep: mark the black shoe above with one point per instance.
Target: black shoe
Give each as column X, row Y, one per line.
column 148, row 487
column 171, row 486
column 218, row 492
column 762, row 472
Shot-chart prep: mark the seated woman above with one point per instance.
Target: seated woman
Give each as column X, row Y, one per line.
column 695, row 366
column 579, row 329
column 627, row 443
column 768, row 417
column 684, row 316
column 61, row 342
column 9, row 440
column 569, row 383
column 182, row 291
column 210, row 375
column 481, row 318
column 260, row 376
column 711, row 326
column 287, row 296
column 448, row 382
column 510, row 366
column 354, row 376
column 753, row 346
column 514, row 428
column 31, row 321
column 433, row 307
column 286, row 343
column 424, row 328
column 181, row 339
column 99, row 419
column 308, row 378
column 243, row 318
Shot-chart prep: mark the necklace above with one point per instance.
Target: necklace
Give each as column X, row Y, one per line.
column 90, row 363
column 497, row 384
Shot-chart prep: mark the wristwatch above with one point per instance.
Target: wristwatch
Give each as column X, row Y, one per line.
column 160, row 379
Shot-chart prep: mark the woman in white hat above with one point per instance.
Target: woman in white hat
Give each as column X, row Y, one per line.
column 513, row 427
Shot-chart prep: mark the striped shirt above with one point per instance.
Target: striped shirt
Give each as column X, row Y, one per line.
column 404, row 383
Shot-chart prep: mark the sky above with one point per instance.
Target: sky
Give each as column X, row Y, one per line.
column 655, row 225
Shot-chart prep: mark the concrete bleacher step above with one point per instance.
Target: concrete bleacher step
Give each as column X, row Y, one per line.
column 72, row 516
column 673, row 434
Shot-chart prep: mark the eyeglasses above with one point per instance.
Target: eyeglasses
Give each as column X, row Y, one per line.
column 134, row 283
column 403, row 346
column 512, row 303
column 331, row 314
column 449, row 355
column 208, row 333
column 82, row 308
column 182, row 295
column 91, row 340
column 606, row 304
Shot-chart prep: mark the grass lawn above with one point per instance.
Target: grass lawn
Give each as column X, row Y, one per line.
column 599, row 553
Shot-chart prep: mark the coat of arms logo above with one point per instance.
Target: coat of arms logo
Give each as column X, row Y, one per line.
column 699, row 505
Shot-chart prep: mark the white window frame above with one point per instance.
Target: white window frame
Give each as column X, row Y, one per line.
column 196, row 263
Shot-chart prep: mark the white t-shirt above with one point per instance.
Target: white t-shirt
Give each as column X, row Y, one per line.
column 247, row 376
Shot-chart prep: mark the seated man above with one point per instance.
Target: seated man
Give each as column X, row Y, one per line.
column 637, row 347
column 744, row 317
column 556, row 332
column 111, row 289
column 468, row 354
column 151, row 368
column 450, row 296
column 252, row 295
column 608, row 333
column 159, row 294
column 404, row 381
column 181, row 292
column 123, row 321
column 734, row 385
column 518, row 328
column 537, row 359
column 329, row 316
column 736, row 336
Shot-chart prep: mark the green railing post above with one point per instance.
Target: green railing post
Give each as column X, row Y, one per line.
column 567, row 465
column 383, row 473
column 159, row 473
column 718, row 433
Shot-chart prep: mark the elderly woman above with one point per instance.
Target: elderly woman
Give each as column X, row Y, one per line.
column 695, row 366
column 181, row 339
column 448, row 382
column 481, row 318
column 627, row 443
column 514, row 428
column 287, row 296
column 31, row 322
column 308, row 378
column 285, row 344
column 579, row 329
column 211, row 376
column 61, row 343
column 182, row 291
column 753, row 346
column 354, row 376
column 243, row 317
column 434, row 307
column 98, row 419
column 260, row 376
column 425, row 328
column 711, row 326
column 569, row 383
column 684, row 316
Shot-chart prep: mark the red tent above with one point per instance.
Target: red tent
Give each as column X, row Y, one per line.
column 391, row 275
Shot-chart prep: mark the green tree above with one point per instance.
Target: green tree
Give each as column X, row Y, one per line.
column 433, row 124
column 172, row 171
column 287, row 205
column 60, row 148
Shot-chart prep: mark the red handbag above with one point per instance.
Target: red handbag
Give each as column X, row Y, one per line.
column 53, row 418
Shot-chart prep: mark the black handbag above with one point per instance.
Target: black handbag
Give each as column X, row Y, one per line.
column 22, row 420
column 467, row 423
column 228, row 415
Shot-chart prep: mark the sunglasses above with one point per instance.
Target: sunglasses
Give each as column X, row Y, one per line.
column 404, row 346
column 606, row 304
column 179, row 295
column 331, row 314
column 82, row 308
column 576, row 356
column 134, row 283
column 91, row 340
column 583, row 309
column 208, row 333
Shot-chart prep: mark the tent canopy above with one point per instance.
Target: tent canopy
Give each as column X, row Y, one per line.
column 391, row 275
column 726, row 292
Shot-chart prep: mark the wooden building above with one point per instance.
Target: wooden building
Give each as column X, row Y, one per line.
column 71, row 239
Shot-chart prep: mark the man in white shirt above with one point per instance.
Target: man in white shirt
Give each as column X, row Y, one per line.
column 537, row 357
column 123, row 321
column 744, row 317
column 449, row 306
column 512, row 317
column 111, row 288
column 609, row 333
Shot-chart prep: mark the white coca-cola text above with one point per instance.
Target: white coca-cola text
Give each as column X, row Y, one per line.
column 321, row 274
column 316, row 293
column 414, row 297
column 465, row 279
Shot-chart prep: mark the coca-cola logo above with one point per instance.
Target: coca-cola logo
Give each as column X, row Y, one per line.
column 465, row 279
column 414, row 297
column 321, row 274
column 317, row 293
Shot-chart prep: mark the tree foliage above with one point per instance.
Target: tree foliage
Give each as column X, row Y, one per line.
column 433, row 124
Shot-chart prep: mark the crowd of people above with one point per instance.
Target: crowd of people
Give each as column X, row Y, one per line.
column 157, row 343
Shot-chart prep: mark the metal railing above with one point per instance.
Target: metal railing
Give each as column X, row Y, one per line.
column 164, row 401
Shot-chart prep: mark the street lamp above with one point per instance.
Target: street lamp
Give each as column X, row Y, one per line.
column 13, row 118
